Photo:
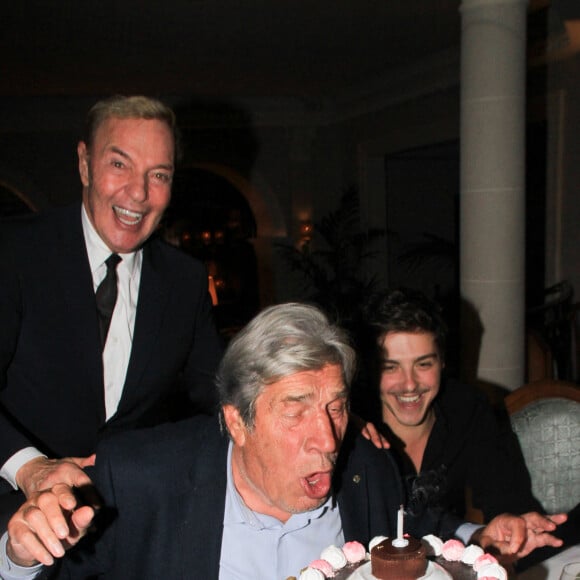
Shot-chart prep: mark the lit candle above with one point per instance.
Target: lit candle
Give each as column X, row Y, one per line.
column 399, row 541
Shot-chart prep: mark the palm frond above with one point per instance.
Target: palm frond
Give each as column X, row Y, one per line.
column 332, row 264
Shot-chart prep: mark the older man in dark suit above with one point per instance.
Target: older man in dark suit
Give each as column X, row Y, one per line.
column 290, row 481
column 71, row 372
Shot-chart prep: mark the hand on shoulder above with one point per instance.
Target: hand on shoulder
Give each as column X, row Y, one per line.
column 42, row 473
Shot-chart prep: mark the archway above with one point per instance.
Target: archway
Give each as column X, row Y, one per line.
column 263, row 203
column 210, row 219
column 13, row 202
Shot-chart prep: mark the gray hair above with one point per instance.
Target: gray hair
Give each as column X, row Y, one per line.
column 280, row 341
column 131, row 107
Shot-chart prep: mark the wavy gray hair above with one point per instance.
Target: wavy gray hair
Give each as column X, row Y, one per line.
column 280, row 341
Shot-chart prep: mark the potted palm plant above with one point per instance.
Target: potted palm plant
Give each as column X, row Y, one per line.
column 332, row 264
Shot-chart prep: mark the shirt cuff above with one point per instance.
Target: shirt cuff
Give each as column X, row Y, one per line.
column 465, row 531
column 10, row 571
column 11, row 467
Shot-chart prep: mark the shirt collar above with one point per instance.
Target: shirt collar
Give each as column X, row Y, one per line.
column 98, row 251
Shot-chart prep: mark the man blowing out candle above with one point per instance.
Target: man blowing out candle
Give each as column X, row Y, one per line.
column 283, row 479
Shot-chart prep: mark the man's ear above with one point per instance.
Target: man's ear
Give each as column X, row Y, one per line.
column 235, row 424
column 83, row 155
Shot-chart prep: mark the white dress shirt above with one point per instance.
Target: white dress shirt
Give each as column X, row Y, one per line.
column 119, row 339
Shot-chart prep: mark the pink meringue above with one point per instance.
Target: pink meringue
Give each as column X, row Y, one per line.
column 452, row 550
column 354, row 552
column 323, row 566
column 483, row 560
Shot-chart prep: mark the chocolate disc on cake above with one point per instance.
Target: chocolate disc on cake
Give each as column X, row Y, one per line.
column 407, row 563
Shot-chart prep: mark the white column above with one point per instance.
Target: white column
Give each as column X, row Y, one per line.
column 492, row 222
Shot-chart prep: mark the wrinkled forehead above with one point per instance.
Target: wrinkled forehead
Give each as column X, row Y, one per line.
column 147, row 138
column 320, row 385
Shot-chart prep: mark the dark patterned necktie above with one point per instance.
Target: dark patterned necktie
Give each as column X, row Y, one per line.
column 106, row 296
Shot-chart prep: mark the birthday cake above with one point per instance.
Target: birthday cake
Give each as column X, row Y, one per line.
column 449, row 560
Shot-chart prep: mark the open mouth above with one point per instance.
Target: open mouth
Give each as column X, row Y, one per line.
column 127, row 217
column 409, row 399
column 317, row 485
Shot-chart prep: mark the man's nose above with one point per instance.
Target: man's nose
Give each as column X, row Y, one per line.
column 409, row 380
column 324, row 437
column 138, row 188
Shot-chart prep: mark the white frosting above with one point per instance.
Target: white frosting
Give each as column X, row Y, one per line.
column 376, row 540
column 471, row 553
column 334, row 556
column 492, row 571
column 433, row 545
column 311, row 574
column 436, row 572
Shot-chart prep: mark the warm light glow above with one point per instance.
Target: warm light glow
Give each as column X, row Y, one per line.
column 306, row 230
column 212, row 291
column 206, row 237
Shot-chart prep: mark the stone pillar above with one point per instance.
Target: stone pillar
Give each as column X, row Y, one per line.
column 492, row 218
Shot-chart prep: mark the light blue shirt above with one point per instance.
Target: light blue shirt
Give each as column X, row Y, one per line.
column 10, row 571
column 260, row 547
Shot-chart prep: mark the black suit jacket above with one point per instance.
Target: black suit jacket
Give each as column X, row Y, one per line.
column 51, row 374
column 164, row 490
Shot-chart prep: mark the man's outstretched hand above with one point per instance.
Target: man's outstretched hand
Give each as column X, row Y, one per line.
column 46, row 525
column 517, row 536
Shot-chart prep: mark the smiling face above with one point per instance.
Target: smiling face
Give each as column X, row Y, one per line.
column 410, row 378
column 126, row 178
column 284, row 464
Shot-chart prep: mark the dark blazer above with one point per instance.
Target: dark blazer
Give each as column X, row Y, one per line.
column 165, row 495
column 51, row 374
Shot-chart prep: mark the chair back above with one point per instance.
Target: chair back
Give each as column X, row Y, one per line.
column 545, row 415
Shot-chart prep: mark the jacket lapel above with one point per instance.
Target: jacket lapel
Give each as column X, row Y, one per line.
column 73, row 274
column 154, row 287
column 203, row 507
column 353, row 504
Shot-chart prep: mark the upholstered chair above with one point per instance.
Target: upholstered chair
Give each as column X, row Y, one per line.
column 545, row 416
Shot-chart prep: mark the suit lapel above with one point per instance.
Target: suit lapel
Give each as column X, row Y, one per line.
column 203, row 507
column 353, row 504
column 156, row 282
column 73, row 275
